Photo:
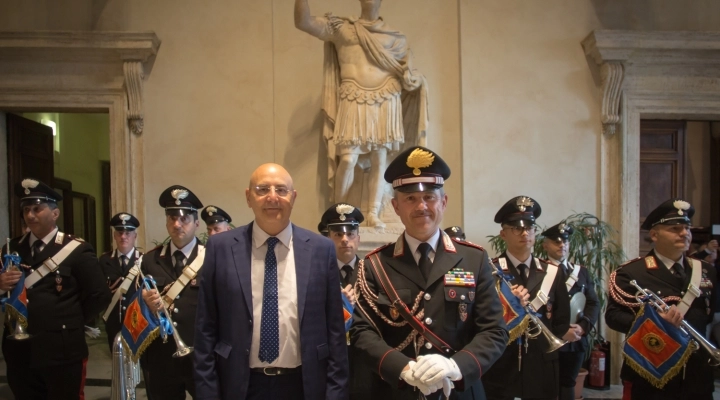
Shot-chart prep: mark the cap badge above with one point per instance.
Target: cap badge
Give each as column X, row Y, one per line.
column 29, row 184
column 681, row 206
column 124, row 218
column 179, row 194
column 523, row 203
column 562, row 228
column 343, row 209
column 211, row 210
column 419, row 159
column 455, row 229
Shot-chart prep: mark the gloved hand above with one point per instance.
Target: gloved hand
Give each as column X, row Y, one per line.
column 407, row 376
column 431, row 369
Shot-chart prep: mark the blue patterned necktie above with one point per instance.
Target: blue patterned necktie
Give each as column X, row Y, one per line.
column 269, row 325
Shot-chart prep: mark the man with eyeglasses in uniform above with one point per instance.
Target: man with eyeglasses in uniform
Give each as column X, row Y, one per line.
column 168, row 377
column 342, row 225
column 525, row 370
column 666, row 271
column 270, row 315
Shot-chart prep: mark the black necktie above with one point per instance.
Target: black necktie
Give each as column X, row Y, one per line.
column 124, row 262
column 679, row 271
column 179, row 262
column 424, row 263
column 37, row 247
column 523, row 277
column 348, row 273
column 567, row 268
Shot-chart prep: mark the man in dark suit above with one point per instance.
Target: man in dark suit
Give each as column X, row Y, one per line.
column 270, row 316
column 525, row 369
column 579, row 284
column 65, row 289
column 116, row 264
column 175, row 268
column 447, row 287
column 342, row 224
column 667, row 272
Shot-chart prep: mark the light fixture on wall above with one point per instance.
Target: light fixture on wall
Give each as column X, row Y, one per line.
column 56, row 137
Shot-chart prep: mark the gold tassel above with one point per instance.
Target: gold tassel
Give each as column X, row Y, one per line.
column 144, row 345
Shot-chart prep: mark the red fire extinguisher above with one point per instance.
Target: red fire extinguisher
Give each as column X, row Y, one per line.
column 597, row 368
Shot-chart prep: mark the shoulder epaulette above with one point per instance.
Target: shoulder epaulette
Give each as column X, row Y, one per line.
column 107, row 252
column 158, row 247
column 73, row 237
column 628, row 262
column 378, row 249
column 548, row 262
column 469, row 244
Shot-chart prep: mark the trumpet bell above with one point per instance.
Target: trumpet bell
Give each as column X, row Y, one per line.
column 555, row 343
column 183, row 352
column 20, row 333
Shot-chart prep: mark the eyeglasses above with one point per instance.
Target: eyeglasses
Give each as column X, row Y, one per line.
column 264, row 190
column 340, row 235
column 518, row 230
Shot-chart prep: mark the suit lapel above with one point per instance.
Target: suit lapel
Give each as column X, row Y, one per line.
column 302, row 253
column 444, row 262
column 662, row 272
column 406, row 265
column 242, row 256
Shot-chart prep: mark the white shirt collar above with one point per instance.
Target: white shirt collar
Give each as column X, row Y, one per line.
column 46, row 239
column 668, row 262
column 352, row 263
column 413, row 243
column 260, row 236
column 517, row 262
column 129, row 254
column 187, row 250
column 556, row 262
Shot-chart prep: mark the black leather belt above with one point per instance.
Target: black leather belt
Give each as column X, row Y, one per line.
column 273, row 371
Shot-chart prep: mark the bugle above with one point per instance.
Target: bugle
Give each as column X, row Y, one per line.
column 657, row 302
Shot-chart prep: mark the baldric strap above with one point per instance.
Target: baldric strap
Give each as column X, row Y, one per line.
column 543, row 294
column 52, row 263
column 693, row 290
column 570, row 282
column 188, row 274
column 129, row 278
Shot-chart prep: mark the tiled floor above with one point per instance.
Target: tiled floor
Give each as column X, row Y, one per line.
column 99, row 370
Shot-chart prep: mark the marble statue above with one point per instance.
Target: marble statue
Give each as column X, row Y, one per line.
column 374, row 101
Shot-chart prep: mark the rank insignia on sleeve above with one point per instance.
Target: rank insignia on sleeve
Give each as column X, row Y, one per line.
column 460, row 277
column 650, row 262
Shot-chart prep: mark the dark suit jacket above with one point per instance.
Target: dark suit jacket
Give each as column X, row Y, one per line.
column 225, row 317
column 539, row 375
column 56, row 319
column 110, row 264
column 585, row 285
column 698, row 375
column 478, row 332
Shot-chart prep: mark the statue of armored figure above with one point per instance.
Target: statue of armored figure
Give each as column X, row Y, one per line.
column 374, row 101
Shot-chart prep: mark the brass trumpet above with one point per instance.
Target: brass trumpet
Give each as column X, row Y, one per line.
column 657, row 302
column 538, row 327
column 182, row 348
column 125, row 372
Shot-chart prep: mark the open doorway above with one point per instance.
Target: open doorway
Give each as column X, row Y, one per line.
column 680, row 158
column 70, row 152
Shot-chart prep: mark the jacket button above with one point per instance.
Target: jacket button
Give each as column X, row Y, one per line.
column 174, row 323
column 428, row 321
column 462, row 297
column 427, row 297
column 176, row 311
column 123, row 298
column 63, row 326
column 250, row 321
column 428, row 345
column 247, row 351
column 124, row 308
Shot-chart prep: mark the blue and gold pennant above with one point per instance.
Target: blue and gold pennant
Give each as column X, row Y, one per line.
column 515, row 316
column 654, row 348
column 140, row 327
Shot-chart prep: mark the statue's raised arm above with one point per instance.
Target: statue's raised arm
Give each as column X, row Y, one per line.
column 374, row 101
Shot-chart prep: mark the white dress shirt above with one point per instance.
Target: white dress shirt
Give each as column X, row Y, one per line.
column 186, row 250
column 413, row 244
column 47, row 239
column 517, row 262
column 668, row 262
column 352, row 264
column 287, row 298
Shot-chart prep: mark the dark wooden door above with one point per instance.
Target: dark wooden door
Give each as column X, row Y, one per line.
column 662, row 167
column 30, row 155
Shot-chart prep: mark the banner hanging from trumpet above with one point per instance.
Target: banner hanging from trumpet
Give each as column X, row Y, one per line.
column 514, row 314
column 140, row 326
column 15, row 306
column 347, row 312
column 654, row 348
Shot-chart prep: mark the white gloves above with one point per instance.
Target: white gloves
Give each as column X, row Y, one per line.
column 92, row 332
column 431, row 373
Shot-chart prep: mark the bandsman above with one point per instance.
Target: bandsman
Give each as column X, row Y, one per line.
column 584, row 306
column 342, row 224
column 216, row 220
column 525, row 369
column 170, row 377
column 427, row 318
column 116, row 265
column 455, row 232
column 688, row 285
column 65, row 288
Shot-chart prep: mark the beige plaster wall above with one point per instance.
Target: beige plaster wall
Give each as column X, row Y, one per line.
column 513, row 107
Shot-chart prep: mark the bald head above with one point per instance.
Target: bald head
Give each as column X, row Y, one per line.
column 271, row 197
